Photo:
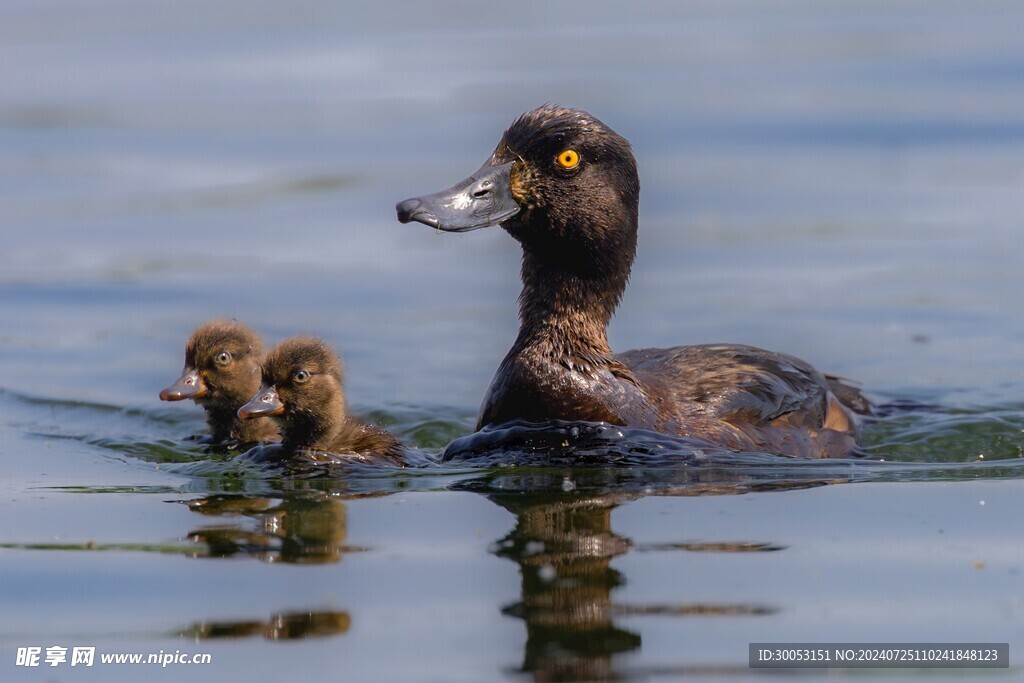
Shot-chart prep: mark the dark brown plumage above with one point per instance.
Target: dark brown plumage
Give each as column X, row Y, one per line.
column 576, row 190
column 303, row 389
column 222, row 372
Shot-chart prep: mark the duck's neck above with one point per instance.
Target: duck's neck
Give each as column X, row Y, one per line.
column 253, row 431
column 565, row 306
column 316, row 430
column 226, row 426
column 223, row 422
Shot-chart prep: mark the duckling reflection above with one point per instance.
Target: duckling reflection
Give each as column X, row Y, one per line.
column 285, row 626
column 300, row 530
column 564, row 545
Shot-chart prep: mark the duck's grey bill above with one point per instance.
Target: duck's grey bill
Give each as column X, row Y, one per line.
column 484, row 198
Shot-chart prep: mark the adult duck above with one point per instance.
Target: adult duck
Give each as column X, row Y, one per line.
column 565, row 186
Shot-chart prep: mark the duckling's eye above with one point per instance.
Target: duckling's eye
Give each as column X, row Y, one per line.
column 568, row 158
column 301, row 377
column 222, row 358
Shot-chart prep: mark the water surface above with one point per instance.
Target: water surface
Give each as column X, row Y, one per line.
column 842, row 183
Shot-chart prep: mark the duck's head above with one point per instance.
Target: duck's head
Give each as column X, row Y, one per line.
column 222, row 366
column 558, row 176
column 302, row 381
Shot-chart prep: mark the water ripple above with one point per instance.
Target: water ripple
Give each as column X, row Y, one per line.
column 913, row 443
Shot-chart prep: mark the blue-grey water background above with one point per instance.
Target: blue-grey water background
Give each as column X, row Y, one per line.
column 840, row 181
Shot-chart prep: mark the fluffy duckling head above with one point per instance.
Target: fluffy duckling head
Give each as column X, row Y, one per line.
column 222, row 370
column 302, row 388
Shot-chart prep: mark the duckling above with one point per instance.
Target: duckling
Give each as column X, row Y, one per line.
column 222, row 371
column 565, row 186
column 303, row 390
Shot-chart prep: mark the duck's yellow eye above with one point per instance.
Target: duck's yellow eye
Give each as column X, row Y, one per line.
column 568, row 158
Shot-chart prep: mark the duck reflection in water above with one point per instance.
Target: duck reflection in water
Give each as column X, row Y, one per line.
column 564, row 545
column 284, row 626
column 307, row 529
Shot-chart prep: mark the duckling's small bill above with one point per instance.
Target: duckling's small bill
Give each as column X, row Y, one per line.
column 483, row 199
column 189, row 385
column 264, row 403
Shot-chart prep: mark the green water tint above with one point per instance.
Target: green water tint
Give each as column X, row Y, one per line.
column 422, row 427
column 949, row 435
column 918, row 443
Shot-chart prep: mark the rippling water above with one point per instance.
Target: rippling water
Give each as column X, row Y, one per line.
column 841, row 182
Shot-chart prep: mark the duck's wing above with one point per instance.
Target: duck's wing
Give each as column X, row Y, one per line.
column 369, row 442
column 849, row 396
column 770, row 400
column 730, row 381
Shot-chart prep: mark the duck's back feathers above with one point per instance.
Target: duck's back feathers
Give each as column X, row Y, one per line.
column 367, row 440
column 751, row 398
